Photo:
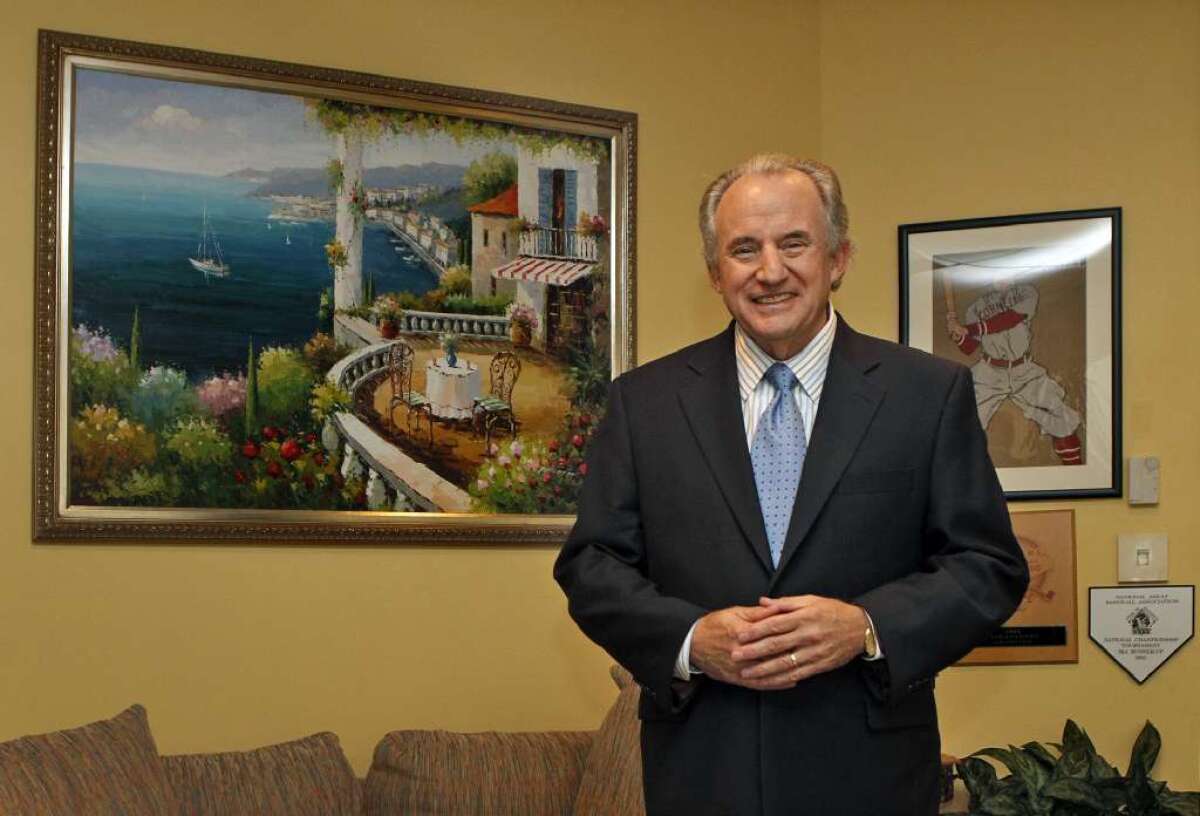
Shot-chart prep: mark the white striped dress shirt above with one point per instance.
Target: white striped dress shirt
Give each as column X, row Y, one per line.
column 809, row 366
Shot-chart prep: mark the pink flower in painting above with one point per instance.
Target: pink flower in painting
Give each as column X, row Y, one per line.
column 517, row 448
column 482, row 484
column 222, row 394
column 95, row 344
column 503, row 461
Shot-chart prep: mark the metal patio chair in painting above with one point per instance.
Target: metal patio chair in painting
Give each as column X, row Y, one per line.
column 496, row 406
column 400, row 372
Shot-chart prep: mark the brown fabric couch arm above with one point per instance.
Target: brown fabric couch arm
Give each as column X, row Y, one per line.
column 432, row 773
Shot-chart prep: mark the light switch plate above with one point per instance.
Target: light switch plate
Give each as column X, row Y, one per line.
column 1141, row 557
column 1143, row 479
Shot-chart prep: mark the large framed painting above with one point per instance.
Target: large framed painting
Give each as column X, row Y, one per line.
column 1045, row 626
column 281, row 301
column 1032, row 304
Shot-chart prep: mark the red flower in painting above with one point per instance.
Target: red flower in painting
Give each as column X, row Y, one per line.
column 250, row 450
column 290, row 450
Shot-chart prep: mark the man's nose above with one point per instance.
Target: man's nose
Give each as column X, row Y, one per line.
column 772, row 269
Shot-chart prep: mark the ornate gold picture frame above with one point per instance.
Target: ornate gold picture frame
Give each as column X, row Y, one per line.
column 278, row 301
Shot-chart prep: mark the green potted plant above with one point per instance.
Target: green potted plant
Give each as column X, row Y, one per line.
column 1072, row 780
column 522, row 322
column 387, row 312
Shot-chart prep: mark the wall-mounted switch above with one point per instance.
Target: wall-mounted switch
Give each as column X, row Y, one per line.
column 1143, row 480
column 1141, row 557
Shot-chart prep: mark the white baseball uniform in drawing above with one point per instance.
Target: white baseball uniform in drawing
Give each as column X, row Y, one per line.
column 999, row 322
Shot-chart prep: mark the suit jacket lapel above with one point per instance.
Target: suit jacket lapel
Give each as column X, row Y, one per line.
column 849, row 400
column 713, row 407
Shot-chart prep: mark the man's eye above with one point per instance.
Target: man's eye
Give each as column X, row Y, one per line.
column 793, row 247
column 743, row 251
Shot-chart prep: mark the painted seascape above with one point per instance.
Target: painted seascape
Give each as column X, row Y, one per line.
column 281, row 302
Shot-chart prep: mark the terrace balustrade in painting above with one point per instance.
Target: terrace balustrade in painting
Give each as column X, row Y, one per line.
column 546, row 242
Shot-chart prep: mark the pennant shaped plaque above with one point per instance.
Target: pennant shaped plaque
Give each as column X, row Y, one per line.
column 1141, row 627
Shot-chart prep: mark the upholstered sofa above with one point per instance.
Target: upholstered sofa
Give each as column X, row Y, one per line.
column 113, row 767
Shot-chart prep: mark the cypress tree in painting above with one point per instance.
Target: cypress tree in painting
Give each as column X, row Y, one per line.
column 251, row 393
column 135, row 344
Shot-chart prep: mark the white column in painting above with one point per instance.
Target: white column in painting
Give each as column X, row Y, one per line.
column 348, row 286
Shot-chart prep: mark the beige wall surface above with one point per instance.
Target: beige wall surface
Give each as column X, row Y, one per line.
column 940, row 110
column 235, row 646
column 930, row 110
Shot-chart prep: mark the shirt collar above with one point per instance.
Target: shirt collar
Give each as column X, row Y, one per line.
column 809, row 365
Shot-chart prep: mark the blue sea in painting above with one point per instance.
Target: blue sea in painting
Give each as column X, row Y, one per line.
column 132, row 231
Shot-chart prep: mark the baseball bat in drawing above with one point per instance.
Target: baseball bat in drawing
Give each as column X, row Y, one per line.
column 948, row 291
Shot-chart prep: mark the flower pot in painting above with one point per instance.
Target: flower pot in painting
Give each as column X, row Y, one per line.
column 520, row 334
column 388, row 329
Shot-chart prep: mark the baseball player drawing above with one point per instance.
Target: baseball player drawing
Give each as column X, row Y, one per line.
column 998, row 324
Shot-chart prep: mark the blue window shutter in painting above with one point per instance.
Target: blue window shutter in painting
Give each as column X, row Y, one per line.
column 571, row 185
column 545, row 196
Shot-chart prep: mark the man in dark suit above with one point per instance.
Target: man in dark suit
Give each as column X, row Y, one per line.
column 787, row 530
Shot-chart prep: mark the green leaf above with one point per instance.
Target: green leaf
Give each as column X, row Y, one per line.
column 1076, row 791
column 1073, row 765
column 1139, row 793
column 1002, row 755
column 1039, row 752
column 1076, row 739
column 1180, row 804
column 1030, row 770
column 1098, row 769
column 1145, row 748
column 1003, row 804
column 978, row 776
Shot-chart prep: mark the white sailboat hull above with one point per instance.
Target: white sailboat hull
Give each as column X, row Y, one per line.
column 211, row 268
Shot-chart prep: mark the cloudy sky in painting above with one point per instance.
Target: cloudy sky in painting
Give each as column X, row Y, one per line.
column 137, row 121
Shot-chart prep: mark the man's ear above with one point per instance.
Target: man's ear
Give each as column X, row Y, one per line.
column 841, row 262
column 714, row 280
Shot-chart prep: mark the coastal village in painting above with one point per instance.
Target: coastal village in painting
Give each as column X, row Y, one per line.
column 411, row 314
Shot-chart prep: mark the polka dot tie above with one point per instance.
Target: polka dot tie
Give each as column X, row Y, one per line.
column 778, row 457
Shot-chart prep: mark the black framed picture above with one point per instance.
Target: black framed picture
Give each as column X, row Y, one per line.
column 1032, row 304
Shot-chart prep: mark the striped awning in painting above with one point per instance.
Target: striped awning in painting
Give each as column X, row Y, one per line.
column 554, row 271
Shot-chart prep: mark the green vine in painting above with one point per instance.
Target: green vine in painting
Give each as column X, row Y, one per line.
column 336, row 175
column 336, row 255
column 336, row 116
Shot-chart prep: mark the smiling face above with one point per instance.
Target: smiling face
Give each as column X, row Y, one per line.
column 774, row 267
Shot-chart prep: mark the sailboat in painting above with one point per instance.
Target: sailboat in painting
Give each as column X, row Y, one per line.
column 208, row 253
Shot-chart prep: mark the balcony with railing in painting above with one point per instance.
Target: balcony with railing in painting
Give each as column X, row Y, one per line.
column 547, row 242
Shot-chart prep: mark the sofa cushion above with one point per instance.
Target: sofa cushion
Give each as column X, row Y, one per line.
column 107, row 768
column 612, row 777
column 436, row 773
column 305, row 777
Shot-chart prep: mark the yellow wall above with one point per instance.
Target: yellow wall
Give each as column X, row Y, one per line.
column 930, row 110
column 235, row 646
column 936, row 110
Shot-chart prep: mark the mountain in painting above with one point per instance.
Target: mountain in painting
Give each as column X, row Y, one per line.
column 314, row 181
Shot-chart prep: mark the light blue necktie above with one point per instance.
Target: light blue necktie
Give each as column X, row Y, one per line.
column 778, row 457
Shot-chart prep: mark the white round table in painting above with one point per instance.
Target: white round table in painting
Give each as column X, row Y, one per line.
column 452, row 391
